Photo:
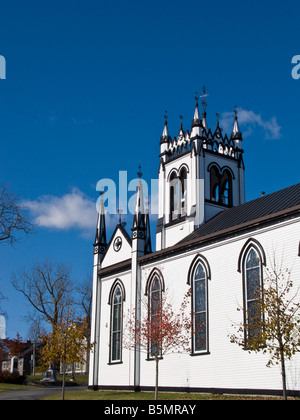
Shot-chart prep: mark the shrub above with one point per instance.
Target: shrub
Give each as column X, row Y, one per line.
column 11, row 378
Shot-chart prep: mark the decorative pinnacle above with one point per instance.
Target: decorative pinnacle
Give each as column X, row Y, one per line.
column 140, row 172
column 235, row 111
column 166, row 116
column 120, row 211
column 204, row 96
column 196, row 97
column 101, row 192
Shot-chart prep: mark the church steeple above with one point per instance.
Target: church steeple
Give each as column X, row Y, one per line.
column 204, row 105
column 140, row 221
column 139, row 212
column 236, row 130
column 100, row 244
column 196, row 123
column 148, row 247
column 165, row 138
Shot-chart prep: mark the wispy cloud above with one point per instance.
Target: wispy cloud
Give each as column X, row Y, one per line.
column 77, row 211
column 74, row 210
column 249, row 121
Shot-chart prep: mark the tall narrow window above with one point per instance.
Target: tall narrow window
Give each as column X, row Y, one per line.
column 200, row 310
column 183, row 186
column 226, row 188
column 252, row 291
column 174, row 198
column 214, row 184
column 155, row 316
column 116, row 325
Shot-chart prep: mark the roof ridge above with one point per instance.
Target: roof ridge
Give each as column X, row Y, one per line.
column 251, row 210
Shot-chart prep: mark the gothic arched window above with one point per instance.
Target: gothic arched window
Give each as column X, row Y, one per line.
column 174, row 196
column 226, row 188
column 155, row 305
column 214, row 184
column 253, row 282
column 117, row 296
column 199, row 310
column 183, row 191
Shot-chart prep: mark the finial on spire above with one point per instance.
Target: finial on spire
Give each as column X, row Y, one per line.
column 218, row 116
column 120, row 212
column 101, row 192
column 140, row 172
column 196, row 97
column 165, row 135
column 181, row 118
column 204, row 96
column 235, row 111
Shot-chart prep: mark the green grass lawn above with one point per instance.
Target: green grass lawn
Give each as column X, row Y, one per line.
column 11, row 387
column 149, row 396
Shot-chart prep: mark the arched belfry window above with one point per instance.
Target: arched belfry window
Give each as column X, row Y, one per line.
column 198, row 277
column 116, row 299
column 178, row 193
column 220, row 185
column 174, row 196
column 226, row 188
column 214, row 184
column 183, row 191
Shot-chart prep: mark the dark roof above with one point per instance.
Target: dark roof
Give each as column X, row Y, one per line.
column 253, row 214
column 252, row 210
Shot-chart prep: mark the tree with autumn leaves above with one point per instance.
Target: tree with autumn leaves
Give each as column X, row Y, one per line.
column 66, row 343
column 275, row 319
column 160, row 330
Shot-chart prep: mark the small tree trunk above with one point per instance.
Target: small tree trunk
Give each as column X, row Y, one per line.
column 64, row 379
column 283, row 375
column 156, row 377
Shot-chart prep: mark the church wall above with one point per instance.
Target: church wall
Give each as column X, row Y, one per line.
column 178, row 232
column 112, row 257
column 114, row 374
column 226, row 365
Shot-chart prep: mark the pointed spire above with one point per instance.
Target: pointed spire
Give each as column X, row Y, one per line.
column 204, row 105
column 148, row 247
column 236, row 130
column 218, row 130
column 139, row 212
column 100, row 239
column 181, row 132
column 197, row 120
column 196, row 123
column 165, row 135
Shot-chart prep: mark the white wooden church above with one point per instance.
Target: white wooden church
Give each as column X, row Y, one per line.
column 207, row 239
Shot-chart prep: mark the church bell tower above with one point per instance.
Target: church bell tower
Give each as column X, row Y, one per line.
column 201, row 173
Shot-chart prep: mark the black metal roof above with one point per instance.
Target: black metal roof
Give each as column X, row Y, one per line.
column 252, row 210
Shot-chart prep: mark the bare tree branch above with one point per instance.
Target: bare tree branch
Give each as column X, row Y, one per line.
column 47, row 288
column 12, row 217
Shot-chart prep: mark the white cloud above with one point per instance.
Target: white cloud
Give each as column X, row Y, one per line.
column 73, row 210
column 248, row 121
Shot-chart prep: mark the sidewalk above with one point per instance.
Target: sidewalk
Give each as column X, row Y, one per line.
column 34, row 393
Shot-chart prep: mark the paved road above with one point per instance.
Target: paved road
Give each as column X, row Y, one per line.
column 34, row 393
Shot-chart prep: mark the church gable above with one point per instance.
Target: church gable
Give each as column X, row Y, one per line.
column 119, row 247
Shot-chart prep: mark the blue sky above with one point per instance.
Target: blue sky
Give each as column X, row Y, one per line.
column 87, row 86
